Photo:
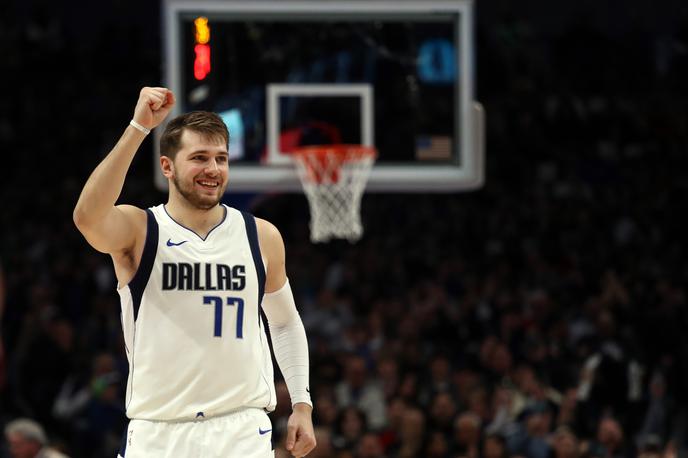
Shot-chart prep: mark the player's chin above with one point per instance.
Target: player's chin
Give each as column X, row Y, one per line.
column 206, row 202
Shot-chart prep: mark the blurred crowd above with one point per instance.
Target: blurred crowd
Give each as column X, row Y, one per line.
column 541, row 316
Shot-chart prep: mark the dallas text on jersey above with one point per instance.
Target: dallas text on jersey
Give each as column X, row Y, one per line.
column 203, row 277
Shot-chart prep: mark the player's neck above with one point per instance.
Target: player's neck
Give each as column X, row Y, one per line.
column 199, row 220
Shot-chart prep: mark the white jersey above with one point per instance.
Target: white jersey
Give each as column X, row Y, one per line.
column 191, row 320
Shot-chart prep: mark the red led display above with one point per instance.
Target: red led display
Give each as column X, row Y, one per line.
column 202, row 61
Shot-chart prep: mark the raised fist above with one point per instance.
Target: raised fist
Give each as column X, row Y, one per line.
column 153, row 106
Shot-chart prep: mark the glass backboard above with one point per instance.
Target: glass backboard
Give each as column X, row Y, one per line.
column 394, row 75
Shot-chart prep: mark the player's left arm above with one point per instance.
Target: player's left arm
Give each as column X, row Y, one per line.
column 288, row 339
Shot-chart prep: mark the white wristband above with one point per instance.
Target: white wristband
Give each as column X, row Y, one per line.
column 138, row 126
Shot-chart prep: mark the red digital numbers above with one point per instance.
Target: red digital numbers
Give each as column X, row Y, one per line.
column 201, row 48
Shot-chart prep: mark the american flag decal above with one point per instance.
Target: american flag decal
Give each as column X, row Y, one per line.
column 433, row 148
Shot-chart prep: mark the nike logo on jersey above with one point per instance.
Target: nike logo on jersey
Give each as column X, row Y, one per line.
column 171, row 243
column 263, row 431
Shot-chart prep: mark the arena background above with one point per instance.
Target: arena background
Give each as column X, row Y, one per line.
column 543, row 314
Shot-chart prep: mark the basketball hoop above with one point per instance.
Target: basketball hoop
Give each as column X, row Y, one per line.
column 333, row 178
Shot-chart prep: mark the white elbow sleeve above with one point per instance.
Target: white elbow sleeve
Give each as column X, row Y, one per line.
column 289, row 342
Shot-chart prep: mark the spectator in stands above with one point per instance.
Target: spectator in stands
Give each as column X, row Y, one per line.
column 465, row 381
column 350, row 426
column 388, row 374
column 94, row 407
column 44, row 356
column 609, row 442
column 478, row 403
column 437, row 445
column 361, row 390
column 566, row 415
column 27, row 439
column 411, row 435
column 326, row 413
column 467, row 432
column 565, row 443
column 494, row 446
column 408, row 388
column 531, row 437
column 370, row 447
column 396, row 408
column 442, row 413
column 438, row 379
column 329, row 316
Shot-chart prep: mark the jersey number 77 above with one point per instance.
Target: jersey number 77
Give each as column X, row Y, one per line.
column 231, row 301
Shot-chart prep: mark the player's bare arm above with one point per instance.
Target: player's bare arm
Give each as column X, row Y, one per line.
column 272, row 249
column 285, row 324
column 120, row 229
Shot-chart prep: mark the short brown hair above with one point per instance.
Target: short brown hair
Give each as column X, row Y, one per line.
column 208, row 124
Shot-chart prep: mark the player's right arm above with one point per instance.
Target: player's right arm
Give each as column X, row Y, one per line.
column 107, row 227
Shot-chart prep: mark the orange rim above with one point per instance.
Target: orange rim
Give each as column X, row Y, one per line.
column 315, row 157
column 350, row 151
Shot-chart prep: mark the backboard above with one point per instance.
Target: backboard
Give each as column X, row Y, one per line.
column 396, row 75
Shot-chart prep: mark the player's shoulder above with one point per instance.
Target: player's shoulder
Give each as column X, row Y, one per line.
column 132, row 211
column 269, row 236
column 267, row 229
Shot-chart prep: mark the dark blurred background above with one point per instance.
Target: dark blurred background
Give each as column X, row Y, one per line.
column 543, row 315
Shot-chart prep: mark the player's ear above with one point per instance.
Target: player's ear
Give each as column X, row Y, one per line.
column 167, row 166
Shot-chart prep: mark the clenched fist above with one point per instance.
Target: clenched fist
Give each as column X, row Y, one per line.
column 153, row 106
column 300, row 436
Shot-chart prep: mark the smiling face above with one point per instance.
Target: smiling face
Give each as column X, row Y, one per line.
column 199, row 171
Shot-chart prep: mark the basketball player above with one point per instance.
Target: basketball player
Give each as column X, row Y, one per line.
column 192, row 276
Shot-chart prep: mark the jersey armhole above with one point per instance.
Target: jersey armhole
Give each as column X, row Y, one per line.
column 150, row 247
column 252, row 234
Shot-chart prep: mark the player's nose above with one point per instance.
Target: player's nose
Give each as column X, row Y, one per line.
column 212, row 167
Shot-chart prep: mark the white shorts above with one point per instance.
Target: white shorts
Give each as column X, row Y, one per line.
column 243, row 434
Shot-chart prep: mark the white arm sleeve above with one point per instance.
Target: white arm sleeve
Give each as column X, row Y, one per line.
column 289, row 342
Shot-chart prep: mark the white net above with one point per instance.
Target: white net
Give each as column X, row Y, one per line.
column 333, row 179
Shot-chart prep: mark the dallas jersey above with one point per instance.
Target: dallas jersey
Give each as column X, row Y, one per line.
column 191, row 320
